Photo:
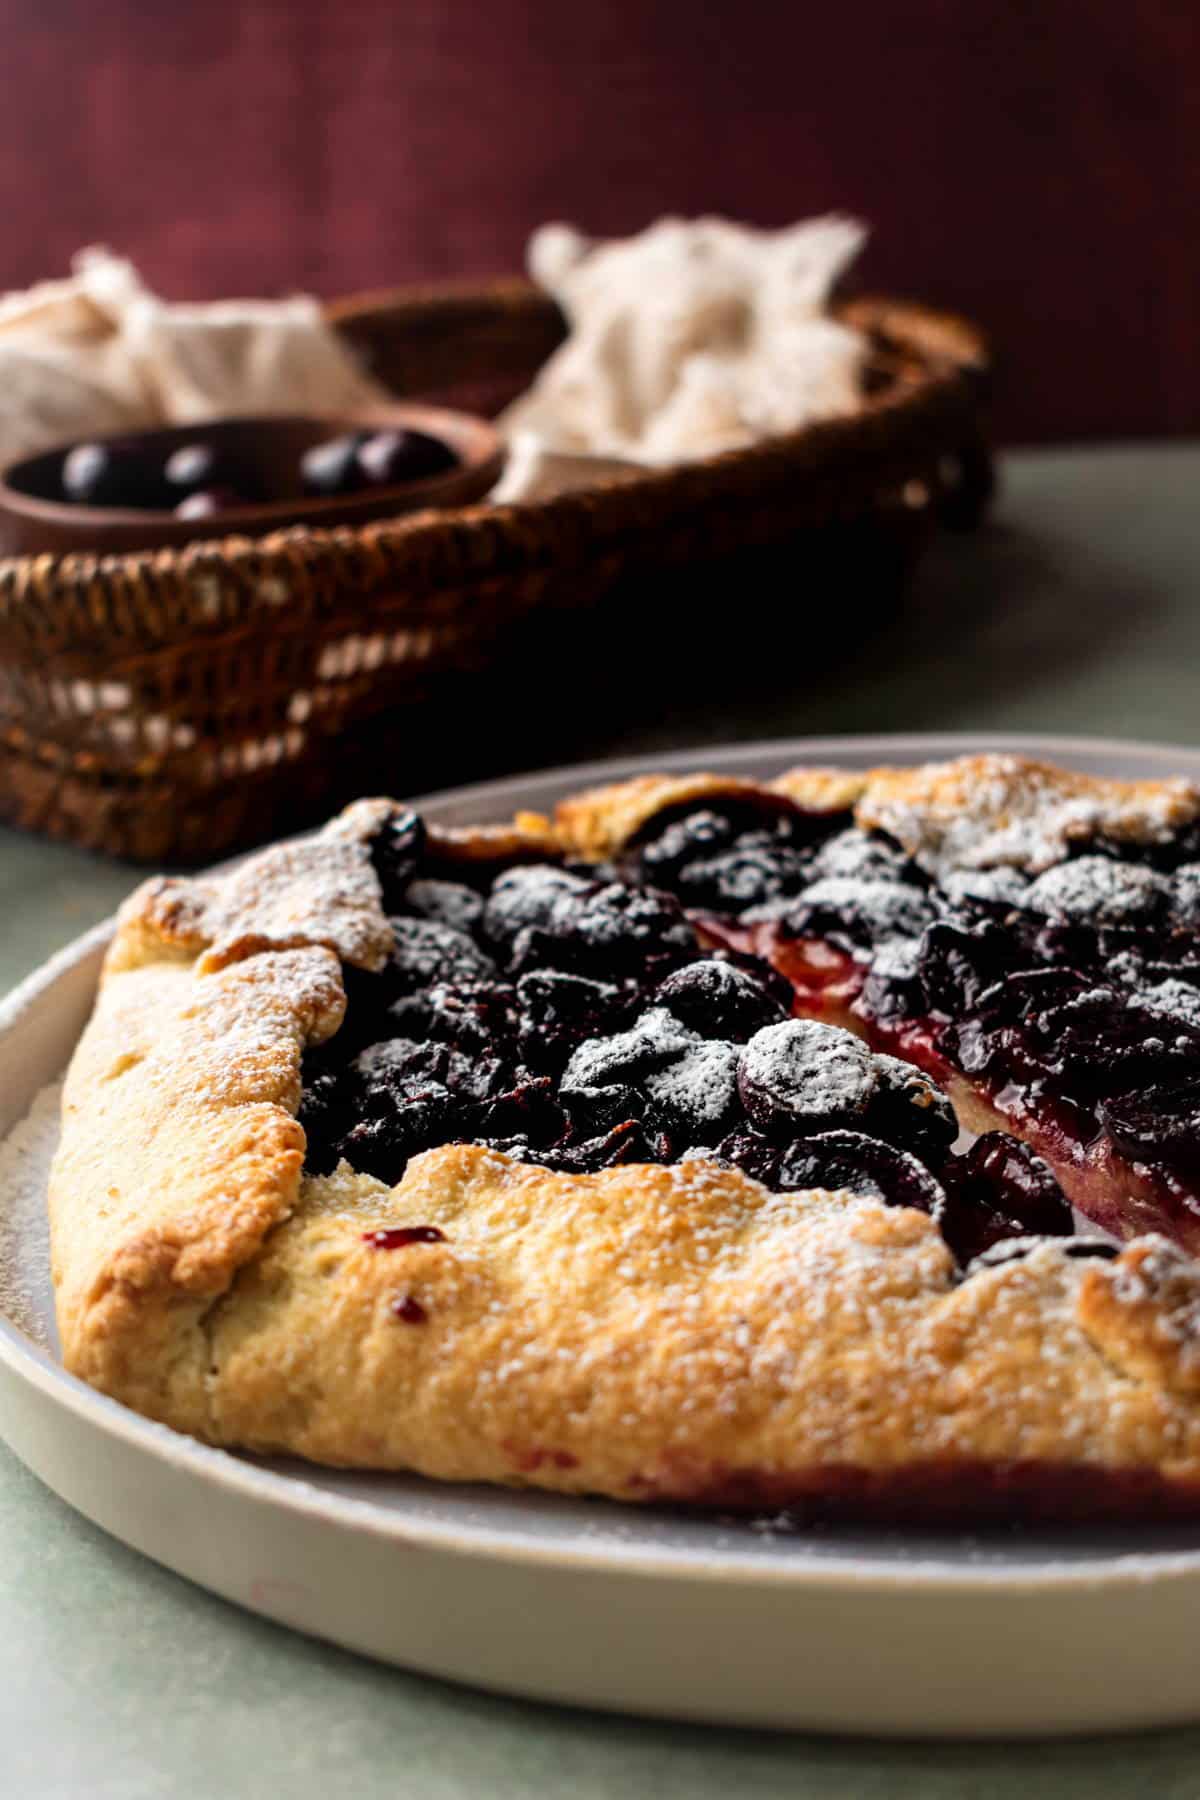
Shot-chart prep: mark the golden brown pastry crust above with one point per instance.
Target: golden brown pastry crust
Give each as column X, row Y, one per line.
column 984, row 810
column 600, row 821
column 970, row 813
column 644, row 1332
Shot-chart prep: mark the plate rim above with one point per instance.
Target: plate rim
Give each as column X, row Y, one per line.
column 791, row 1568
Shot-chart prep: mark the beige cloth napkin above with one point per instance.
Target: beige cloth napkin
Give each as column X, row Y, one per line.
column 693, row 337
column 100, row 353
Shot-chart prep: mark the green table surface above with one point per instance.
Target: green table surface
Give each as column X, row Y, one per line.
column 1077, row 609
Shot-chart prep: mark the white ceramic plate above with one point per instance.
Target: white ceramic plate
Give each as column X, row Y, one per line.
column 589, row 1602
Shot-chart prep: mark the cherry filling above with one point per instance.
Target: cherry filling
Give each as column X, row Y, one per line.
column 578, row 1017
column 1066, row 1006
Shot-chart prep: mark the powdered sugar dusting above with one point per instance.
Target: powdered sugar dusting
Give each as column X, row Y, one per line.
column 700, row 1086
column 784, row 1329
column 897, row 959
column 1097, row 889
column 527, row 896
column 889, row 908
column 985, row 811
column 655, row 1039
column 25, row 1158
column 1185, row 894
column 1177, row 998
column 803, row 1068
column 321, row 890
column 1005, row 887
column 855, row 853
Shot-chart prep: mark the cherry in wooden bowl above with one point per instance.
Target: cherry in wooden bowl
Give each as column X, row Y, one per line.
column 242, row 478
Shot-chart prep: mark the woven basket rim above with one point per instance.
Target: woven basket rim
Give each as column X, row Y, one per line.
column 946, row 353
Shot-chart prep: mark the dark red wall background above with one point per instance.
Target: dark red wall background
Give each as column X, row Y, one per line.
column 1034, row 164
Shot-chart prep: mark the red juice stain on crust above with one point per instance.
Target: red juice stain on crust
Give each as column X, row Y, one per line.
column 394, row 1237
column 529, row 1460
column 410, row 1310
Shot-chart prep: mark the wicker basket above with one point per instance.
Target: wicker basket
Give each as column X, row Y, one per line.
column 168, row 707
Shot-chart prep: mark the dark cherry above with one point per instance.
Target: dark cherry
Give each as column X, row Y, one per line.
column 381, row 1143
column 687, row 840
column 996, row 1035
column 110, row 475
column 477, row 1017
column 732, row 856
column 1097, row 890
column 752, row 1153
column 1076, row 944
column 1105, row 1038
column 890, row 994
column 957, row 962
column 804, row 1075
column 404, row 1067
column 449, row 902
column 636, row 930
column 768, row 978
column 529, row 896
column 1020, row 1182
column 397, row 1070
column 325, row 1114
column 390, row 458
column 1000, row 1189
column 208, row 502
column 395, row 1237
column 529, row 1110
column 390, row 1062
column 625, row 1143
column 332, row 467
column 678, row 1082
column 558, row 1010
column 1159, row 1123
column 396, row 851
column 625, row 1058
column 610, row 932
column 695, row 1096
column 595, row 1111
column 988, row 893
column 865, row 855
column 719, row 1000
column 754, row 871
column 909, row 1110
column 1185, row 897
column 861, row 1165
column 856, row 912
column 1183, row 846
column 425, row 952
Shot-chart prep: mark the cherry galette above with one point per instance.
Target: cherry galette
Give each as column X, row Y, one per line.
column 714, row 1141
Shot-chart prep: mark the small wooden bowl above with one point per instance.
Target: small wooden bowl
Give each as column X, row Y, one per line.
column 268, row 452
